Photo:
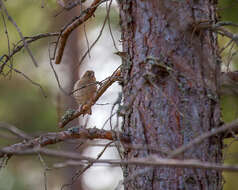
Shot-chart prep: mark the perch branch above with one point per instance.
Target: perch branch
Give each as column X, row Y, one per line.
column 100, row 92
column 30, row 146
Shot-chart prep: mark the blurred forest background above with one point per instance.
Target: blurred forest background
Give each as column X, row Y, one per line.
column 23, row 105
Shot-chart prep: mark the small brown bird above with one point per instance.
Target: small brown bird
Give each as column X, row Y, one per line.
column 85, row 90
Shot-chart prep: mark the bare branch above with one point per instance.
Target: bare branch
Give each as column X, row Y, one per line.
column 28, row 40
column 33, row 146
column 80, row 172
column 56, row 137
column 110, row 30
column 217, row 28
column 66, row 31
column 157, row 162
column 152, row 160
column 44, row 151
column 98, row 157
column 2, row 6
column 99, row 35
column 14, row 130
column 87, row 41
column 223, row 129
column 28, row 78
column 55, row 73
column 8, row 40
column 6, row 32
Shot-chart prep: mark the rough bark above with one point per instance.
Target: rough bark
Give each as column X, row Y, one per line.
column 170, row 89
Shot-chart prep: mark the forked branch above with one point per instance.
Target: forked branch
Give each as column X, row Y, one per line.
column 66, row 31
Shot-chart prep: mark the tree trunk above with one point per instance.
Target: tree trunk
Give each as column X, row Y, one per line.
column 71, row 69
column 170, row 89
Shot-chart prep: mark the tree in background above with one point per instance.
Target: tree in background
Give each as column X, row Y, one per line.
column 172, row 135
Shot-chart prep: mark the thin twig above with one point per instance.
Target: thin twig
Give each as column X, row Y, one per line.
column 199, row 139
column 229, row 57
column 8, row 43
column 79, row 173
column 152, row 160
column 223, row 48
column 218, row 29
column 29, row 79
column 66, row 31
column 111, row 34
column 108, row 119
column 45, row 170
column 19, row 32
column 7, row 35
column 159, row 162
column 55, row 73
column 14, row 130
column 29, row 40
column 86, row 37
column 98, row 37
